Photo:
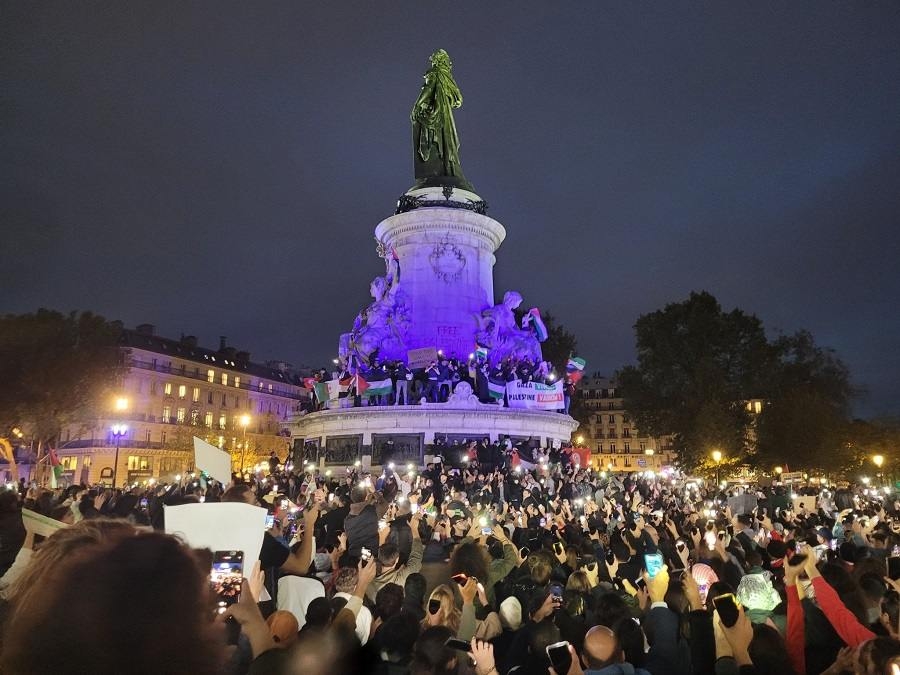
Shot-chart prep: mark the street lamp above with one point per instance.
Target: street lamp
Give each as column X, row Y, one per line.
column 245, row 422
column 580, row 440
column 717, row 458
column 878, row 460
column 121, row 404
column 118, row 430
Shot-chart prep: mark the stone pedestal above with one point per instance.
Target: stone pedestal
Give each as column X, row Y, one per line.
column 446, row 256
column 345, row 435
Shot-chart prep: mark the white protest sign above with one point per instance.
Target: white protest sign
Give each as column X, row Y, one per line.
column 215, row 462
column 224, row 526
column 40, row 524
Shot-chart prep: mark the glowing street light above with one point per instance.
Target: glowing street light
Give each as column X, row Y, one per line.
column 579, row 440
column 717, row 458
column 118, row 430
column 878, row 460
column 244, row 421
column 778, row 470
column 121, row 404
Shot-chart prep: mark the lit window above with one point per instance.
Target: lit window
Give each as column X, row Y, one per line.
column 195, row 417
column 167, row 390
column 207, row 420
column 259, row 385
column 237, row 382
column 182, row 391
column 210, row 376
column 222, row 421
column 225, row 379
column 180, row 416
column 136, row 463
column 68, row 463
column 196, row 397
column 270, row 388
column 758, row 406
column 167, row 414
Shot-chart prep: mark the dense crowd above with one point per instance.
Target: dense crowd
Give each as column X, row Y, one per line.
column 436, row 381
column 483, row 568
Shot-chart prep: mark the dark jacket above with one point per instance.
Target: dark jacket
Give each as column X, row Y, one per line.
column 12, row 536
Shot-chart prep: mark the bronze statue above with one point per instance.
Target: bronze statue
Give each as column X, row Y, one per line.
column 435, row 141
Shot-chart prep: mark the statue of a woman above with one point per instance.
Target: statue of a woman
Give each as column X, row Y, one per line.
column 435, row 142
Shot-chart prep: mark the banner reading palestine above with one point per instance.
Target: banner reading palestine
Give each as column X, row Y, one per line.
column 535, row 396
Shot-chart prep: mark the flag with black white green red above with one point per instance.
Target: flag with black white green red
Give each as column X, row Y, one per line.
column 575, row 364
column 374, row 387
column 496, row 389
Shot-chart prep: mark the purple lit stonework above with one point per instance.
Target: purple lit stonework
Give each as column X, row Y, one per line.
column 438, row 288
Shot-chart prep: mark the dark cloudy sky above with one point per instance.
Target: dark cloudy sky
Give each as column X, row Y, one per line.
column 218, row 168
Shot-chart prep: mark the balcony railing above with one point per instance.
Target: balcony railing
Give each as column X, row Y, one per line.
column 202, row 377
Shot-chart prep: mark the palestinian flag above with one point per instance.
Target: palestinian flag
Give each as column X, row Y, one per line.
column 374, row 387
column 54, row 462
column 575, row 364
column 57, row 468
column 533, row 318
column 338, row 388
column 496, row 389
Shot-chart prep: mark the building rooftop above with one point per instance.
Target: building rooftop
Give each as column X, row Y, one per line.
column 225, row 358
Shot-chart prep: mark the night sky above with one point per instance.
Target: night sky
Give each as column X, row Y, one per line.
column 219, row 168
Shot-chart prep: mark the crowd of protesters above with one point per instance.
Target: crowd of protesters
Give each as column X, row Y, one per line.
column 472, row 566
column 436, row 381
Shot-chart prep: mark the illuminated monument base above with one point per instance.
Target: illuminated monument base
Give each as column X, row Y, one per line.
column 407, row 434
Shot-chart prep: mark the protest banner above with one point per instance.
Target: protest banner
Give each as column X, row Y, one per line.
column 421, row 358
column 535, row 396
column 216, row 463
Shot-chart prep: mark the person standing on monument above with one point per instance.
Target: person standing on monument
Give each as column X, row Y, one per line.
column 402, row 377
column 433, row 374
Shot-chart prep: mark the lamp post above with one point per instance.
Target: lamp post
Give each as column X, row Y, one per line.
column 878, row 460
column 118, row 430
column 717, row 458
column 245, row 422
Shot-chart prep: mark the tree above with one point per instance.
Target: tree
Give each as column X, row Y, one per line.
column 805, row 420
column 697, row 367
column 559, row 345
column 56, row 370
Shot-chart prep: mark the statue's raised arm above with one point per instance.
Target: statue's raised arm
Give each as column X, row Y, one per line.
column 435, row 141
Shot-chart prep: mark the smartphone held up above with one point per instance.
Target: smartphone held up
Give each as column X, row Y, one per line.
column 226, row 577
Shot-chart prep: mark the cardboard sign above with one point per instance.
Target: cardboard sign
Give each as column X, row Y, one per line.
column 421, row 358
column 215, row 462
